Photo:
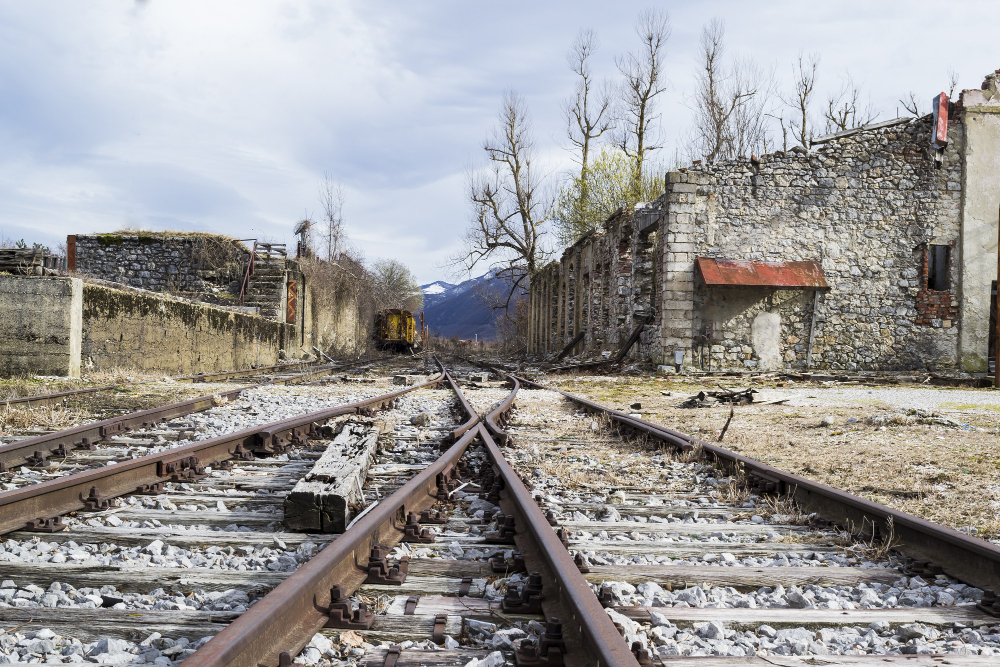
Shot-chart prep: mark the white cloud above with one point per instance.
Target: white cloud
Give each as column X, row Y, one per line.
column 225, row 115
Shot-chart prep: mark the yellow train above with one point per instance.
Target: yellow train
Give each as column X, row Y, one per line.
column 396, row 329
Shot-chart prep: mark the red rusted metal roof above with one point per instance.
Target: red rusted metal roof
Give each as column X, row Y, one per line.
column 780, row 275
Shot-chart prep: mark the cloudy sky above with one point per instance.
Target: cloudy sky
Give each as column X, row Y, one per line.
column 224, row 115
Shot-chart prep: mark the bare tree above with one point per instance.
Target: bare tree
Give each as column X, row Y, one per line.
column 952, row 83
column 643, row 74
column 911, row 105
column 507, row 203
column 804, row 70
column 732, row 101
column 845, row 110
column 588, row 111
column 330, row 236
column 395, row 287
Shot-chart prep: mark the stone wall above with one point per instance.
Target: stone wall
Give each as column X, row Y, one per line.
column 868, row 205
column 160, row 262
column 40, row 332
column 151, row 332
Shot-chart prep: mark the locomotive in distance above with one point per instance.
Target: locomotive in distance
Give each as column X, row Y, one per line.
column 396, row 330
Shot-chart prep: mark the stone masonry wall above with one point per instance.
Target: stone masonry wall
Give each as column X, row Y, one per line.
column 158, row 262
column 866, row 206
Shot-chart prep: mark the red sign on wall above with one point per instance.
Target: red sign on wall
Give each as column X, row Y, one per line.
column 940, row 137
column 290, row 307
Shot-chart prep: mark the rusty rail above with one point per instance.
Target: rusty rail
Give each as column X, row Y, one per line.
column 567, row 598
column 34, row 451
column 243, row 372
column 277, row 627
column 40, row 505
column 53, row 397
column 966, row 558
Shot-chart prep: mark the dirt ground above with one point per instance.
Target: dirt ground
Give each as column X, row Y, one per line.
column 933, row 452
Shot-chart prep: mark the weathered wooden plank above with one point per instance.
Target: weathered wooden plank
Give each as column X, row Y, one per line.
column 748, row 619
column 398, row 628
column 742, row 619
column 650, row 548
column 320, row 501
column 929, row 660
column 742, row 578
column 134, row 625
column 703, row 511
column 419, row 657
column 211, row 516
column 137, row 579
column 655, row 528
column 678, row 576
column 429, row 606
column 133, row 537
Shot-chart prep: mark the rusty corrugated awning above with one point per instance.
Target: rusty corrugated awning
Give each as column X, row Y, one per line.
column 779, row 275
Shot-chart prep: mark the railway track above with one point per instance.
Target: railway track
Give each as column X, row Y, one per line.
column 38, row 450
column 559, row 533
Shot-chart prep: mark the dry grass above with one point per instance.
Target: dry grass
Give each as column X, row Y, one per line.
column 934, row 471
column 46, row 417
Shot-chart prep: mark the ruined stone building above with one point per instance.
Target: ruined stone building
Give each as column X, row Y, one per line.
column 874, row 250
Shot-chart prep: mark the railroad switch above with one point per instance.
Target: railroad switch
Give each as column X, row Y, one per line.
column 341, row 614
column 504, row 534
column 95, row 502
column 500, row 564
column 526, row 599
column 43, row 525
column 380, row 572
column 413, row 532
column 550, row 649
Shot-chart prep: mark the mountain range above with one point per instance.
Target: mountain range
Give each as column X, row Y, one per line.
column 458, row 310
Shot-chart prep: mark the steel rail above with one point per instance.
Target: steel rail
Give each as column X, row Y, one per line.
column 592, row 638
column 219, row 375
column 41, row 504
column 279, row 625
column 55, row 396
column 966, row 558
column 33, row 451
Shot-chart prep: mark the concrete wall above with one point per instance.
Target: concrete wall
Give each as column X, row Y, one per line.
column 40, row 328
column 980, row 219
column 154, row 333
